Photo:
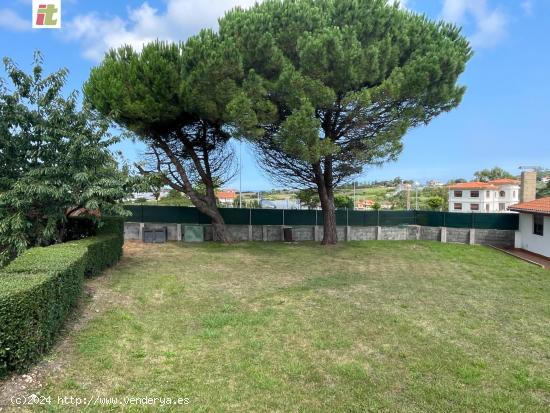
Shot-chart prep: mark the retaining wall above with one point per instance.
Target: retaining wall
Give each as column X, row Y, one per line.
column 501, row 238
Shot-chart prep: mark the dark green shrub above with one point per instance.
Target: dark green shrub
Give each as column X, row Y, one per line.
column 39, row 288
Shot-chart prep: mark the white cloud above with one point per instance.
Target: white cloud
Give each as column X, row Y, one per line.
column 10, row 20
column 527, row 7
column 181, row 19
column 490, row 24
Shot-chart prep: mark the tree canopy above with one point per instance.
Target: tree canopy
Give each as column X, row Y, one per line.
column 174, row 98
column 331, row 86
column 435, row 202
column 54, row 160
column 486, row 175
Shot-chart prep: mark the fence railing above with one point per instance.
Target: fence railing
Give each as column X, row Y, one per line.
column 292, row 217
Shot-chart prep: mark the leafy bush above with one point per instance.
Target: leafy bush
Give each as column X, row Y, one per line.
column 54, row 161
column 39, row 288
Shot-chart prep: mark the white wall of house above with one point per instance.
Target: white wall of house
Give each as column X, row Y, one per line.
column 507, row 195
column 527, row 240
column 226, row 201
column 489, row 200
column 485, row 202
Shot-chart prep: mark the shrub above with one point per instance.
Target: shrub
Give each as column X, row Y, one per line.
column 40, row 287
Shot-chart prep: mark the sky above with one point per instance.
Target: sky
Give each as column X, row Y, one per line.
column 503, row 119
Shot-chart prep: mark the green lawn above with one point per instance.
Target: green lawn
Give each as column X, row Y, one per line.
column 264, row 327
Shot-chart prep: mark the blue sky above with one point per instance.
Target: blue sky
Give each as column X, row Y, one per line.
column 503, row 119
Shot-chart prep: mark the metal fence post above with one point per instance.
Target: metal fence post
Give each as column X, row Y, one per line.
column 283, row 227
column 250, row 232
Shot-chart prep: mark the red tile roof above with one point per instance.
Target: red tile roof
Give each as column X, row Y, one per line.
column 473, row 185
column 227, row 194
column 540, row 206
column 504, row 181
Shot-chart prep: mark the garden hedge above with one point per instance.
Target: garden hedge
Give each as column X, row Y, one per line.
column 40, row 287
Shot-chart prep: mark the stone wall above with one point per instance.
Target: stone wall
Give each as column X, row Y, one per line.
column 133, row 231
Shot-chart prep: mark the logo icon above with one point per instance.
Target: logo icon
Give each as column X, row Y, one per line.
column 46, row 14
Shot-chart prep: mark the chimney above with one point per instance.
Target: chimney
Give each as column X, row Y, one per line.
column 528, row 190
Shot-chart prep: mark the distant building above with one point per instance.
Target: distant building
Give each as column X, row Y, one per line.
column 364, row 204
column 492, row 196
column 534, row 226
column 433, row 183
column 280, row 204
column 545, row 179
column 150, row 196
column 226, row 196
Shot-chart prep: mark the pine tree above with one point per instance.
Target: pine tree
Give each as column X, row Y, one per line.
column 332, row 86
column 173, row 98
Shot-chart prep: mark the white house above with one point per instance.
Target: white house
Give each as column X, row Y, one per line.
column 534, row 226
column 434, row 183
column 150, row 196
column 226, row 197
column 492, row 196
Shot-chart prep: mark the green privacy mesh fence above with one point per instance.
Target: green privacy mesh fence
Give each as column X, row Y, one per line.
column 238, row 216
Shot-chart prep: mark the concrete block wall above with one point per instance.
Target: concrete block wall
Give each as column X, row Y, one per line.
column 393, row 234
column 257, row 233
column 430, row 233
column 362, row 233
column 499, row 238
column 413, row 232
column 458, row 235
column 134, row 231
column 304, row 233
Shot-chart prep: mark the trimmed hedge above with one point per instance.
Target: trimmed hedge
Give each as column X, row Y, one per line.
column 40, row 287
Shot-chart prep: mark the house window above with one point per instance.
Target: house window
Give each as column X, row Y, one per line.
column 502, row 206
column 538, row 225
column 502, row 194
column 474, row 207
column 487, row 207
column 474, row 194
column 514, row 194
column 458, row 194
column 458, row 207
column 488, row 193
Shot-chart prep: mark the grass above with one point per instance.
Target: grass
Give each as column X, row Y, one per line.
column 258, row 327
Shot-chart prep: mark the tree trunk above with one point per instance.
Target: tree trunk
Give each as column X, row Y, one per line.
column 326, row 196
column 330, row 236
column 219, row 230
column 205, row 204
